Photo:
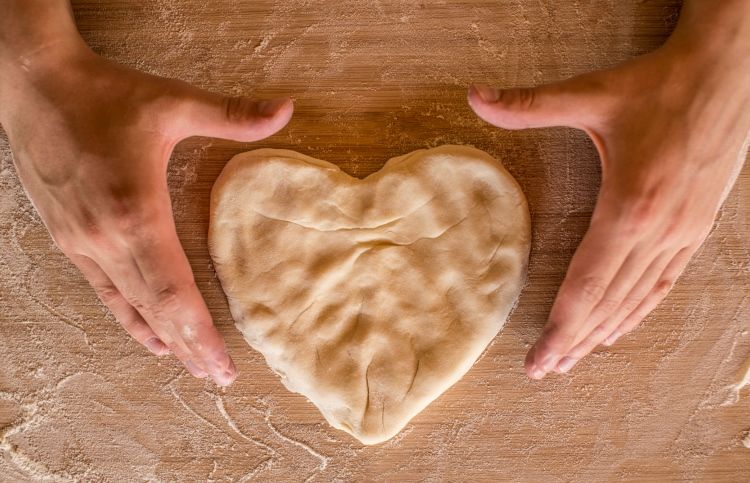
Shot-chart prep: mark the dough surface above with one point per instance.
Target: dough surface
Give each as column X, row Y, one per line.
column 369, row 297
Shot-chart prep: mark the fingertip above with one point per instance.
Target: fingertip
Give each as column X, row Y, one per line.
column 195, row 370
column 225, row 378
column 484, row 109
column 272, row 116
column 566, row 364
column 533, row 370
column 225, row 372
column 236, row 118
column 274, row 107
column 529, row 360
column 544, row 353
column 156, row 346
column 536, row 373
column 558, row 338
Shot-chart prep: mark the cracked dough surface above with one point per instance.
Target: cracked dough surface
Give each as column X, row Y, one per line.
column 369, row 297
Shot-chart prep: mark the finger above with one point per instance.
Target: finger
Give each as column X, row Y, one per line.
column 126, row 280
column 633, row 299
column 209, row 114
column 125, row 314
column 633, row 268
column 129, row 317
column 127, row 274
column 182, row 354
column 659, row 291
column 573, row 102
column 595, row 263
column 637, row 295
column 173, row 298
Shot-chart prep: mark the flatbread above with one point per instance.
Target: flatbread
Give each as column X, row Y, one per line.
column 369, row 297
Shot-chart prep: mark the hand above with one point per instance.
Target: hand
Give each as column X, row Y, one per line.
column 91, row 141
column 671, row 130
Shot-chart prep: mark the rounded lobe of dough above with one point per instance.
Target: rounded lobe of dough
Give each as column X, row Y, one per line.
column 369, row 297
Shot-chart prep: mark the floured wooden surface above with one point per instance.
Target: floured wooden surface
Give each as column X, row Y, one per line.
column 372, row 80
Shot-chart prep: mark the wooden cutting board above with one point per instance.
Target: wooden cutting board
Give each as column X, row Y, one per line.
column 374, row 79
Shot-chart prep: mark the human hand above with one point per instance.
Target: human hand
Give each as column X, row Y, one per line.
column 91, row 142
column 671, row 129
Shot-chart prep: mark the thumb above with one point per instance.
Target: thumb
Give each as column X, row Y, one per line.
column 568, row 103
column 236, row 118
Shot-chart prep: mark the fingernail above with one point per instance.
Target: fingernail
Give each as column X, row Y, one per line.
column 224, row 379
column 195, row 370
column 224, row 376
column 612, row 338
column 156, row 346
column 271, row 107
column 537, row 373
column 486, row 93
column 567, row 364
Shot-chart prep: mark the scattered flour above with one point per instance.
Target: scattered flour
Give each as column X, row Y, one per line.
column 371, row 79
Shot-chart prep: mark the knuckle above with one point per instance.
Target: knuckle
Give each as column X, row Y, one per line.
column 607, row 305
column 598, row 334
column 127, row 217
column 94, row 233
column 162, row 302
column 640, row 210
column 663, row 286
column 127, row 212
column 630, row 304
column 639, row 218
column 680, row 230
column 526, row 98
column 168, row 299
column 106, row 292
column 236, row 108
column 673, row 233
column 137, row 303
column 89, row 226
column 591, row 289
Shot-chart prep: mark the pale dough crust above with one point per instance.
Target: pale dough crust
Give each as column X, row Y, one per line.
column 370, row 297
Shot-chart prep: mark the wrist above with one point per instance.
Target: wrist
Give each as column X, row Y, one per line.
column 33, row 32
column 38, row 40
column 714, row 34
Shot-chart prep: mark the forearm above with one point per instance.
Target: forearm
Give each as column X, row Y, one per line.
column 704, row 67
column 718, row 31
column 38, row 41
column 30, row 28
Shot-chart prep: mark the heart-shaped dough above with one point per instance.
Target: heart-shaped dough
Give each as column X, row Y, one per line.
column 370, row 297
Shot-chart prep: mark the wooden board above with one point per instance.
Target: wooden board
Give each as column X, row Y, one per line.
column 374, row 79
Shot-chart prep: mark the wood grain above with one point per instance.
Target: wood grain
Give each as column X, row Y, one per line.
column 371, row 80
